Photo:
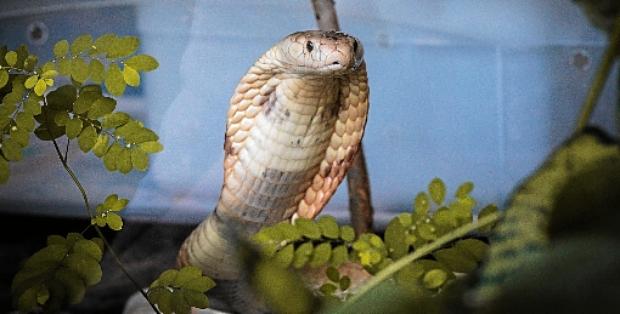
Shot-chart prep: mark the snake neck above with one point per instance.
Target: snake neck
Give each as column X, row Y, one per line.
column 281, row 152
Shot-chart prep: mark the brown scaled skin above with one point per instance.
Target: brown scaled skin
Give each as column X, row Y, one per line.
column 294, row 125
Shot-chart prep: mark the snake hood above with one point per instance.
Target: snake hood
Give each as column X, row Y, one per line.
column 294, row 126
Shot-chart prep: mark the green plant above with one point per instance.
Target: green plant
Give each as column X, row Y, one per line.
column 80, row 110
column 420, row 251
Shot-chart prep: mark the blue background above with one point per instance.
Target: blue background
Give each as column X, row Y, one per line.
column 478, row 90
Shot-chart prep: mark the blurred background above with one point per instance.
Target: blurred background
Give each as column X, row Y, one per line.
column 460, row 89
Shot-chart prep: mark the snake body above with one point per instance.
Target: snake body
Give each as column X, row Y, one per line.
column 294, row 126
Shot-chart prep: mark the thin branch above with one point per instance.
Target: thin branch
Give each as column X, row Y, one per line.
column 600, row 78
column 390, row 270
column 107, row 244
column 67, row 150
column 325, row 14
column 360, row 206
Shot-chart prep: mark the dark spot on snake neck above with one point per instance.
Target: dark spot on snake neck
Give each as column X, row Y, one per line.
column 287, row 113
column 309, row 46
column 270, row 103
column 298, row 141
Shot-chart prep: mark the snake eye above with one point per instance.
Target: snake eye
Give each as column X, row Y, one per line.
column 309, row 46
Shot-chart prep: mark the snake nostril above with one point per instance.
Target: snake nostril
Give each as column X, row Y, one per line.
column 335, row 62
column 354, row 45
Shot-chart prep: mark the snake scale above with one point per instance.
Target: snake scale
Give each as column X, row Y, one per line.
column 294, row 126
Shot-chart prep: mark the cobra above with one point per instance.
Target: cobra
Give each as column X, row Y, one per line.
column 294, row 126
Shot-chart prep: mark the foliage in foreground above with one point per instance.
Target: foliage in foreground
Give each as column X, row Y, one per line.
column 82, row 109
column 313, row 244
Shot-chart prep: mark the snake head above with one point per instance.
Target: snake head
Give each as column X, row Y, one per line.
column 320, row 52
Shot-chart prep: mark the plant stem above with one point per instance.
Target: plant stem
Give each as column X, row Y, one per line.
column 97, row 229
column 600, row 77
column 387, row 272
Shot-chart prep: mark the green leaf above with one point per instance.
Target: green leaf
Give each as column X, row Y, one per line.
column 33, row 105
column 73, row 127
column 110, row 158
column 288, row 231
column 4, row 77
column 61, row 118
column 456, row 260
column 421, row 204
column 79, row 70
column 175, row 291
column 87, row 138
column 96, row 71
column 89, row 248
column 101, row 107
column 62, row 98
column 284, row 257
column 114, row 81
column 151, row 147
column 163, row 298
column 85, row 266
column 474, row 247
column 344, row 283
column 321, row 255
column 179, row 304
column 308, row 228
column 72, row 284
column 395, row 239
column 81, row 44
column 4, row 170
column 329, row 227
column 142, row 62
column 11, row 58
column 101, row 145
column 61, row 48
column 187, row 274
column 40, row 87
column 30, row 63
column 20, row 136
column 274, row 282
column 347, row 233
column 85, row 101
column 48, row 66
column 103, row 42
column 64, row 66
column 49, row 74
column 11, row 149
column 166, row 278
column 114, row 221
column 328, row 289
column 31, row 81
column 201, row 284
column 25, row 121
column 131, row 76
column 122, row 46
column 427, row 232
column 302, row 255
column 333, row 274
column 435, row 278
column 133, row 132
column 116, row 119
column 340, row 255
column 123, row 162
column 437, row 190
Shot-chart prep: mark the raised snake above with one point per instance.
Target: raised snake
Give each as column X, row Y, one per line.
column 294, row 126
